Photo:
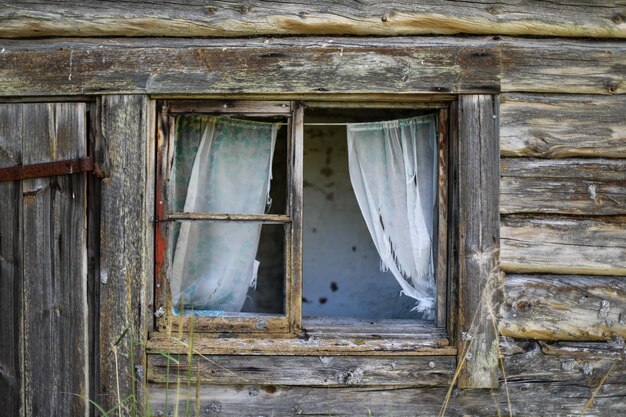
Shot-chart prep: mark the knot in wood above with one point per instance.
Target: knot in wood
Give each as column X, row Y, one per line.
column 523, row 306
column 618, row 18
column 353, row 376
column 213, row 407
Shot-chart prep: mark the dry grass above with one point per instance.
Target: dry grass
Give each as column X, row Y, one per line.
column 129, row 406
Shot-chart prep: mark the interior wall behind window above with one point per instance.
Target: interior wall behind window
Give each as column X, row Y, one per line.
column 341, row 267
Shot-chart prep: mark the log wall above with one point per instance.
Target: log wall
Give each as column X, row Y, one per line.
column 562, row 130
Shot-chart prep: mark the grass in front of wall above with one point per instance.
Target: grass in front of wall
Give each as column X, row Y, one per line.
column 130, row 405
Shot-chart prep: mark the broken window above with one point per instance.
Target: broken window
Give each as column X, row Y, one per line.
column 271, row 215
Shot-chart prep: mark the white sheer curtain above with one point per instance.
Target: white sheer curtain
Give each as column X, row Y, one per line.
column 393, row 172
column 214, row 262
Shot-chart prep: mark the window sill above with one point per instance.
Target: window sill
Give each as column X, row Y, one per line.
column 423, row 340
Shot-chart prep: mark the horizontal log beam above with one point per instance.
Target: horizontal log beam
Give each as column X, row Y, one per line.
column 526, row 398
column 310, row 68
column 251, row 66
column 538, row 66
column 563, row 245
column 576, row 364
column 554, row 307
column 568, row 186
column 304, row 370
column 257, row 17
column 559, row 126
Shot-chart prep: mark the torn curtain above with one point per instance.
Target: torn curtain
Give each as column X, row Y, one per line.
column 221, row 165
column 393, row 172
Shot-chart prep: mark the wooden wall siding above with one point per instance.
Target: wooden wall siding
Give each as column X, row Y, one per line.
column 478, row 239
column 310, row 66
column 563, row 126
column 528, row 398
column 257, row 17
column 563, row 245
column 50, row 266
column 570, row 372
column 125, row 245
column 567, row 186
column 576, row 363
column 305, row 370
column 542, row 66
column 289, row 66
column 11, row 233
column 557, row 307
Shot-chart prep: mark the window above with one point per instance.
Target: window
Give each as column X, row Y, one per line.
column 273, row 217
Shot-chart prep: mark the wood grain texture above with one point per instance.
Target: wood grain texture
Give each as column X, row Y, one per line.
column 441, row 311
column 305, row 370
column 253, row 66
column 295, row 174
column 561, row 126
column 577, row 363
column 311, row 67
column 56, row 337
column 124, row 245
column 478, row 239
column 425, row 344
column 563, row 245
column 563, row 307
column 563, row 66
column 11, row 264
column 258, row 17
column 568, row 186
column 528, row 398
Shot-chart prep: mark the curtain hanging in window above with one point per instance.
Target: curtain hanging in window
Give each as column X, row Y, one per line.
column 393, row 172
column 228, row 171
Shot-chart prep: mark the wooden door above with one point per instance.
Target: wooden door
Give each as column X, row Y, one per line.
column 44, row 335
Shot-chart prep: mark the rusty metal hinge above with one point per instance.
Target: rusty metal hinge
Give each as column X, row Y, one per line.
column 50, row 169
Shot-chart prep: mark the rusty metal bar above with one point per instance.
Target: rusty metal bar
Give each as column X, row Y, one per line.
column 50, row 169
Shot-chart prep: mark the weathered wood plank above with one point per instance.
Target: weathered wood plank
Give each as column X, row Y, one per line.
column 563, row 307
column 478, row 239
column 563, row 245
column 527, row 399
column 257, row 17
column 11, row 331
column 541, row 362
column 564, row 66
column 56, row 338
column 441, row 311
column 305, row 370
column 124, row 246
column 295, row 177
column 453, row 224
column 227, row 67
column 558, row 126
column 230, row 107
column 433, row 343
column 309, row 67
column 570, row 186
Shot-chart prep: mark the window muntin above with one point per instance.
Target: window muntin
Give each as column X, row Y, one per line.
column 293, row 267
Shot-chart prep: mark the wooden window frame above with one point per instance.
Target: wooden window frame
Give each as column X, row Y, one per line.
column 275, row 337
column 235, row 322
